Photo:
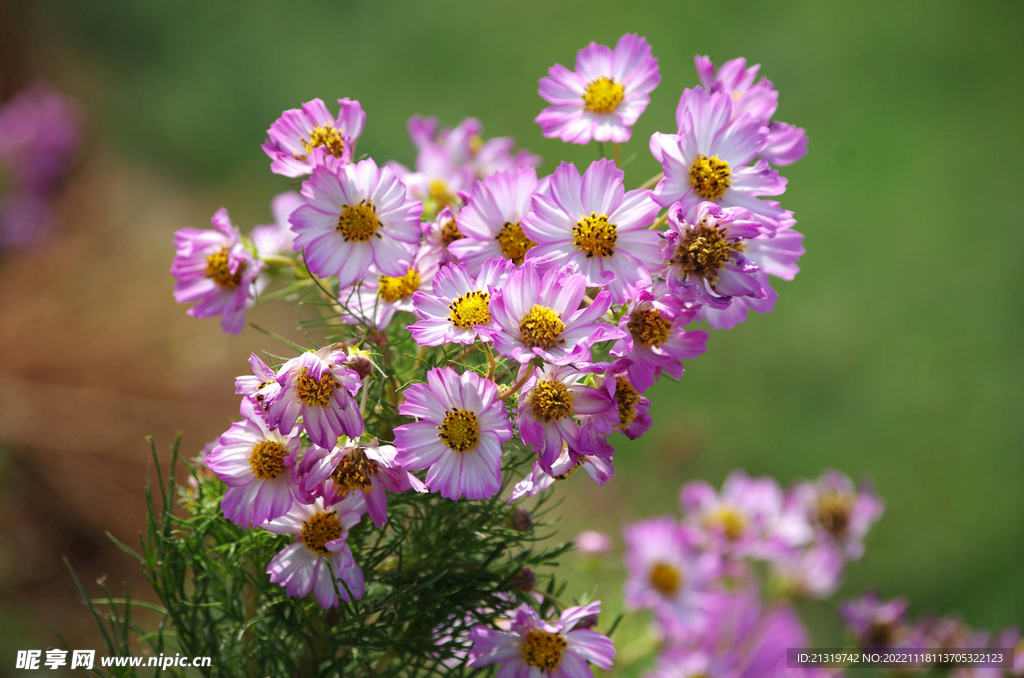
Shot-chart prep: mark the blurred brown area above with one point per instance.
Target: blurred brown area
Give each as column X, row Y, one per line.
column 98, row 356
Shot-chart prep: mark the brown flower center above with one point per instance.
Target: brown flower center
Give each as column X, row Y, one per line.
column 627, row 398
column 320, row 528
column 551, row 400
column 543, row 650
column 217, row 269
column 665, row 579
column 649, row 327
column 267, row 459
column 354, row 473
column 313, row 392
column 704, row 250
column 833, row 512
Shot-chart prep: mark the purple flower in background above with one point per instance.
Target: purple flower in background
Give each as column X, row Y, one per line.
column 666, row 569
column 255, row 462
column 438, row 180
column 592, row 543
column 216, row 272
column 537, row 648
column 774, row 255
column 592, row 225
column 874, row 623
column 831, row 509
column 540, row 315
column 655, row 340
column 599, row 468
column 468, row 148
column 26, row 220
column 277, row 238
column 710, row 160
column 303, row 138
column 458, row 308
column 814, row 572
column 354, row 218
column 39, row 135
column 550, row 404
column 369, row 468
column 491, row 223
column 704, row 249
column 786, row 143
column 318, row 386
column 739, row 520
column 604, row 97
column 462, row 426
column 321, row 534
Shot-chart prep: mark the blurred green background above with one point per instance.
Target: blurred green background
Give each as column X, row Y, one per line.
column 895, row 355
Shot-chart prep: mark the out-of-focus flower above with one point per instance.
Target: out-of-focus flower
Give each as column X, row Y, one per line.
column 318, row 386
column 369, row 468
column 814, row 572
column 592, row 225
column 537, row 648
column 321, row 536
column 216, row 272
column 39, row 135
column 491, row 223
column 468, row 148
column 462, row 426
column 655, row 340
column 541, row 315
column 459, row 308
column 593, row 543
column 255, row 462
column 355, row 218
column 710, row 160
column 875, row 623
column 741, row 519
column 604, row 97
column 441, row 233
column 277, row 238
column 831, row 509
column 438, row 180
column 303, row 138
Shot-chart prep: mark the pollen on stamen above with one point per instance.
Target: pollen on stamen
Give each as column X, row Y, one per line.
column 459, row 430
column 543, row 650
column 649, row 327
column 326, row 137
column 541, row 327
column 267, row 459
column 627, row 399
column 320, row 528
column 394, row 288
column 704, row 250
column 603, row 95
column 358, row 222
column 218, row 269
column 472, row 308
column 315, row 392
column 354, row 473
column 513, row 242
column 595, row 236
column 710, row 177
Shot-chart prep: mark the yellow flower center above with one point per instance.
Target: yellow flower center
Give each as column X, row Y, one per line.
column 603, row 95
column 450, row 232
column 472, row 308
column 354, row 473
column 267, row 459
column 703, row 251
column 513, row 242
column 320, row 528
column 313, row 392
column 358, row 222
column 218, row 271
column 392, row 289
column 710, row 177
column 665, row 579
column 459, row 430
column 327, row 137
column 551, row 400
column 627, row 398
column 834, row 509
column 726, row 518
column 541, row 327
column 649, row 327
column 594, row 235
column 543, row 650
column 568, row 474
column 440, row 195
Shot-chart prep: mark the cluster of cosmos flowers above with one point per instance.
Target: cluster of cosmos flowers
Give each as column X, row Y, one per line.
column 39, row 135
column 580, row 293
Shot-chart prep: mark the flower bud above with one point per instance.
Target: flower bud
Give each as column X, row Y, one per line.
column 525, row 579
column 520, row 520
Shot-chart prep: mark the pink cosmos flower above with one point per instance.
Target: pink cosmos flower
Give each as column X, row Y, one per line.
column 491, row 222
column 303, row 138
column 774, row 255
column 535, row 648
column 459, row 308
column 215, row 271
column 831, row 509
column 438, row 181
column 741, row 519
column 260, row 388
column 875, row 623
column 598, row 468
column 320, row 548
column 590, row 542
column 705, row 251
column 655, row 340
column 462, row 426
column 710, row 159
column 666, row 569
column 591, row 224
column 786, row 143
column 604, row 97
column 277, row 238
column 468, row 148
column 379, row 297
column 255, row 463
column 551, row 403
column 634, row 419
column 369, row 468
column 39, row 134
column 354, row 218
column 814, row 572
column 318, row 386
column 540, row 315
column 442, row 232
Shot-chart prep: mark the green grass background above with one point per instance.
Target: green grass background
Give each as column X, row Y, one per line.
column 895, row 354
